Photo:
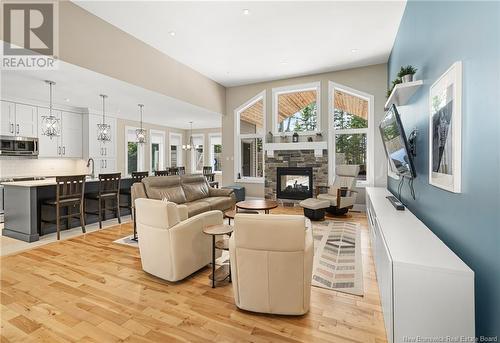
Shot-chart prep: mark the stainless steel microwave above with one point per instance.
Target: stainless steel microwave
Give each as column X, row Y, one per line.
column 18, row 146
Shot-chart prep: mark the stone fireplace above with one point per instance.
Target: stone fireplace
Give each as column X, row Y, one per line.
column 294, row 183
column 296, row 160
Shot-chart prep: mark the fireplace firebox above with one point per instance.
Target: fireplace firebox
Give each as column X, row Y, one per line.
column 294, row 183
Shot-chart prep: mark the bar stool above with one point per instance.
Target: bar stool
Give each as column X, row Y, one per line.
column 69, row 193
column 161, row 172
column 181, row 170
column 136, row 177
column 109, row 188
column 173, row 171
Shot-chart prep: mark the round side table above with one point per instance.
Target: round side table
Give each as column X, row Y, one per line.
column 224, row 271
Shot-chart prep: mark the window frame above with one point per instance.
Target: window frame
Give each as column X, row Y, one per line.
column 179, row 152
column 193, row 152
column 211, row 152
column 153, row 132
column 369, row 131
column 238, row 137
column 140, row 151
column 294, row 89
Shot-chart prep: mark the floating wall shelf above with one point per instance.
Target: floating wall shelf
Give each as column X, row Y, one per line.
column 402, row 93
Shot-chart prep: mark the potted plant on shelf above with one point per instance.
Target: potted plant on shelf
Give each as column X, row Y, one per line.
column 406, row 73
column 394, row 83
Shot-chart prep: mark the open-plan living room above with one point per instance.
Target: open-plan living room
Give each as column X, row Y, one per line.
column 249, row 171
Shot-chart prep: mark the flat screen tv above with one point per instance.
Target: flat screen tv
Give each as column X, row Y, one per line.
column 396, row 145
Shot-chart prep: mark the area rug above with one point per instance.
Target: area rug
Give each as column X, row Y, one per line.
column 127, row 241
column 337, row 256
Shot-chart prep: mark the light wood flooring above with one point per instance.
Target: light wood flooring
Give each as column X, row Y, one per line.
column 88, row 289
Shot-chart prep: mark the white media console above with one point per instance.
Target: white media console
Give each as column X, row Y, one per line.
column 426, row 291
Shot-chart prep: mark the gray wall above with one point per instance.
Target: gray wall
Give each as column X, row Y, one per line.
column 432, row 36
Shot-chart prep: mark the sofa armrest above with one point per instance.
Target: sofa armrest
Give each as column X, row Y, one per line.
column 137, row 191
column 183, row 212
column 220, row 192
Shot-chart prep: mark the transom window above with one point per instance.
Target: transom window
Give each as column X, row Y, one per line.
column 249, row 140
column 296, row 108
column 350, row 112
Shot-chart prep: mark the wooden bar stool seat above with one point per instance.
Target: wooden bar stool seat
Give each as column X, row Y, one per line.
column 109, row 188
column 70, row 192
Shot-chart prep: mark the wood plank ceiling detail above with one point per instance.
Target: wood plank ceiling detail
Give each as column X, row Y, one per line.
column 351, row 104
column 254, row 114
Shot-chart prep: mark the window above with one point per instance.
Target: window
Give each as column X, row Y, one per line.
column 134, row 152
column 249, row 140
column 350, row 117
column 197, row 154
column 175, row 148
column 296, row 109
column 216, row 152
column 157, row 150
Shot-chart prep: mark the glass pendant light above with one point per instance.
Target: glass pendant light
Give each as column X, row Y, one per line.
column 50, row 123
column 141, row 133
column 103, row 129
column 190, row 145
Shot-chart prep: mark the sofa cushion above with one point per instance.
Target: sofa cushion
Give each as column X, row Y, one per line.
column 195, row 187
column 197, row 207
column 220, row 203
column 161, row 187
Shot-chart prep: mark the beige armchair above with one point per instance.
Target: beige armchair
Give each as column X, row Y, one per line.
column 271, row 263
column 341, row 194
column 173, row 246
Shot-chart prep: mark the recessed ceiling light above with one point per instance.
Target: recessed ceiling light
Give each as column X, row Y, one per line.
column 172, row 33
column 67, row 99
column 284, row 62
column 246, row 11
column 354, row 50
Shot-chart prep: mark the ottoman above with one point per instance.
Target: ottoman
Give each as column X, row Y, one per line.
column 314, row 209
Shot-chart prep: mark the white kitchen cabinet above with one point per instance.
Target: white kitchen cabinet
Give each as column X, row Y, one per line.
column 71, row 135
column 104, row 165
column 69, row 143
column 7, row 119
column 18, row 120
column 26, row 120
column 104, row 154
column 47, row 146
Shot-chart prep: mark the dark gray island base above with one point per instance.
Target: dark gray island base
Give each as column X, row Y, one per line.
column 24, row 208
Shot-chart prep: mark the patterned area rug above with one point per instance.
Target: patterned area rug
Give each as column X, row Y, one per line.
column 127, row 241
column 337, row 256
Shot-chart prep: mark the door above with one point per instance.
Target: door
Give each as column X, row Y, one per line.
column 26, row 120
column 71, row 135
column 47, row 146
column 246, row 156
column 7, row 121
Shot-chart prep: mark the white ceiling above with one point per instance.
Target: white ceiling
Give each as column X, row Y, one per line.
column 275, row 40
column 82, row 88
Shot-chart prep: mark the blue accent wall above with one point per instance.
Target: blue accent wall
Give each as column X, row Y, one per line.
column 432, row 36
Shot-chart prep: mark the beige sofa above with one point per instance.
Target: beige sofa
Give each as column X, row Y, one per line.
column 190, row 190
column 173, row 246
column 271, row 263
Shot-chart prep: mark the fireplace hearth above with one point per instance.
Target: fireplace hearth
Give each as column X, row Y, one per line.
column 294, row 183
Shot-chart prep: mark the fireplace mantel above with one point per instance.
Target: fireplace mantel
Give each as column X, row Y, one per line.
column 318, row 147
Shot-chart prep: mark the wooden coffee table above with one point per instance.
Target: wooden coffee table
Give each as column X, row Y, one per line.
column 224, row 271
column 257, row 205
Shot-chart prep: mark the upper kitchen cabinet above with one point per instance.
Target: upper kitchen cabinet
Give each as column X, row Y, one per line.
column 104, row 153
column 69, row 143
column 18, row 120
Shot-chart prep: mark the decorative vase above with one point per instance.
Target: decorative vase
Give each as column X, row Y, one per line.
column 407, row 78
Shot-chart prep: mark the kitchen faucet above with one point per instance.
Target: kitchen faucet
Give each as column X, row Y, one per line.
column 92, row 175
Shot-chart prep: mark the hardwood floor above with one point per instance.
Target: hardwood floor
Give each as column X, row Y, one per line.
column 88, row 289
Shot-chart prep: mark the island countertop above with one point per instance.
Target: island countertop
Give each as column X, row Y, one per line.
column 46, row 182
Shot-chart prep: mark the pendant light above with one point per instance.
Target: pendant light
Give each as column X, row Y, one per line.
column 50, row 123
column 141, row 133
column 190, row 146
column 103, row 129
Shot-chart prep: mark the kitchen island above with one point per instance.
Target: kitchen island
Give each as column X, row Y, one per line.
column 24, row 207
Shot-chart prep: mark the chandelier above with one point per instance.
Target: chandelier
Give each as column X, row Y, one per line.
column 103, row 129
column 50, row 123
column 190, row 146
column 141, row 133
